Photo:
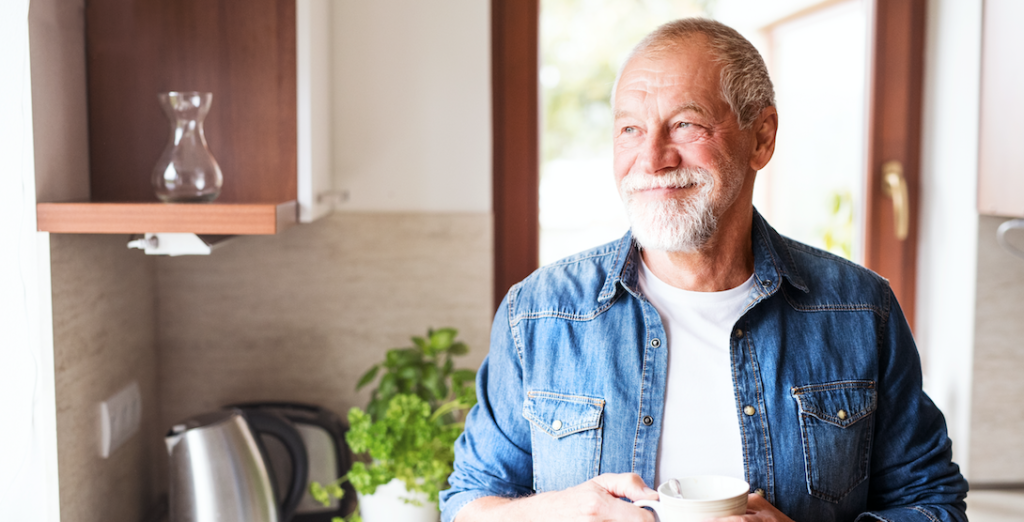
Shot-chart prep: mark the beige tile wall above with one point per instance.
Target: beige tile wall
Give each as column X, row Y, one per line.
column 997, row 420
column 301, row 315
column 297, row 316
column 104, row 322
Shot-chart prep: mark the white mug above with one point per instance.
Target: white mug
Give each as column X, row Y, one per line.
column 704, row 497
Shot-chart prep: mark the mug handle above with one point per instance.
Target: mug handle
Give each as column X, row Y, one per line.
column 653, row 504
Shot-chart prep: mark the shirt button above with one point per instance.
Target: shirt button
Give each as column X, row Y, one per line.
column 648, row 420
column 759, row 492
column 739, row 333
column 655, row 342
column 749, row 410
column 557, row 425
column 841, row 414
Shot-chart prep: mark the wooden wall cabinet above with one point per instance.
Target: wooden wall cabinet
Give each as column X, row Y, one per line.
column 1000, row 150
column 247, row 53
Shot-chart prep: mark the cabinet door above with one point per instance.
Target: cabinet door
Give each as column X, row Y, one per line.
column 1001, row 157
column 313, row 76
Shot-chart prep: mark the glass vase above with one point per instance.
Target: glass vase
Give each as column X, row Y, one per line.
column 187, row 171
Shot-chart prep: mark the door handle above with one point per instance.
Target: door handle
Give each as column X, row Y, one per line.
column 894, row 185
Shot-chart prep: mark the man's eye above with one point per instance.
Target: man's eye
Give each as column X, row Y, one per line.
column 683, row 125
column 628, row 130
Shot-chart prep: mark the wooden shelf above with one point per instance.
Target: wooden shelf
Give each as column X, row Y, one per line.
column 139, row 218
column 244, row 53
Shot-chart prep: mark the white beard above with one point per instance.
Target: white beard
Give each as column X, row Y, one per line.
column 678, row 225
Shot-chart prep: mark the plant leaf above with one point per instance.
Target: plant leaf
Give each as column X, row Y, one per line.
column 462, row 376
column 393, row 358
column 432, row 381
column 441, row 339
column 420, row 343
column 388, row 387
column 368, row 377
column 410, row 373
column 319, row 493
column 459, row 348
column 336, row 490
column 406, row 356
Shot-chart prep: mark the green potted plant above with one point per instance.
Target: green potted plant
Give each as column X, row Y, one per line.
column 407, row 431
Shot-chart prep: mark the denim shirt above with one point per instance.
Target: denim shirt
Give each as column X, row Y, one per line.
column 827, row 379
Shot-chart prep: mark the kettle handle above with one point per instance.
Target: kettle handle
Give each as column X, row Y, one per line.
column 275, row 425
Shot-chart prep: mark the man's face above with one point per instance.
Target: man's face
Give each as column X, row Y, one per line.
column 681, row 160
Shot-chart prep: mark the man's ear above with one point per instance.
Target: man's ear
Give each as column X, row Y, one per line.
column 765, row 127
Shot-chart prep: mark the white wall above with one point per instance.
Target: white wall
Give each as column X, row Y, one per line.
column 28, row 440
column 412, row 105
column 948, row 243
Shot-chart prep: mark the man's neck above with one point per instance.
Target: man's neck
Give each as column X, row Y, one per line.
column 725, row 262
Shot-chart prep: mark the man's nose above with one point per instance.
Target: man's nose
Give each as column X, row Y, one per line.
column 658, row 155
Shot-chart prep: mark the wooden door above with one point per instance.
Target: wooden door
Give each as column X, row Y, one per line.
column 894, row 136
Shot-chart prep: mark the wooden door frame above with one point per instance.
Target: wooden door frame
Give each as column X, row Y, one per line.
column 516, row 175
column 894, row 133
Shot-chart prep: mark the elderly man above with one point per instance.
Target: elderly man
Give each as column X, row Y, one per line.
column 702, row 342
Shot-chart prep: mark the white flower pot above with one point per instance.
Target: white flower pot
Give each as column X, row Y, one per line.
column 386, row 505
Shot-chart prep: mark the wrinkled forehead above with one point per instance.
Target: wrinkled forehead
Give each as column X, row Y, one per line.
column 691, row 55
column 679, row 70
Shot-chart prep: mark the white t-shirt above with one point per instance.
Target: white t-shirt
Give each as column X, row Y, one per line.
column 700, row 431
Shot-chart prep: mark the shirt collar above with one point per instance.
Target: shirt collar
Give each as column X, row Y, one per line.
column 773, row 262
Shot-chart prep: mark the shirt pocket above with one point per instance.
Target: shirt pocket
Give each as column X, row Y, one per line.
column 565, row 431
column 837, row 424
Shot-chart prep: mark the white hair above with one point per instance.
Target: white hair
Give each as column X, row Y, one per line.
column 744, row 80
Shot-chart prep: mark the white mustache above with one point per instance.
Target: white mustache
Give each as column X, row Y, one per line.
column 679, row 178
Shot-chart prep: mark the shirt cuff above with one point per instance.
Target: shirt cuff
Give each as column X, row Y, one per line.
column 455, row 503
column 906, row 514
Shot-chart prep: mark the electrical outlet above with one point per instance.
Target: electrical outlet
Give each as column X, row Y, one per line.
column 120, row 415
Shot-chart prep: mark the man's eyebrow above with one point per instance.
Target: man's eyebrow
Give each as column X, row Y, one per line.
column 690, row 107
column 616, row 114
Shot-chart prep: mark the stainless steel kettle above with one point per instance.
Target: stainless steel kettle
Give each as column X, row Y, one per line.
column 323, row 432
column 219, row 469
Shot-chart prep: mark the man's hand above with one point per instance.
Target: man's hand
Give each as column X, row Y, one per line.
column 597, row 500
column 758, row 510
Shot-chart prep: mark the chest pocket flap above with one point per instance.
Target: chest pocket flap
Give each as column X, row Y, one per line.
column 841, row 404
column 836, row 422
column 560, row 415
column 566, row 434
